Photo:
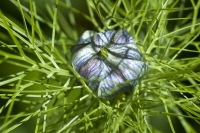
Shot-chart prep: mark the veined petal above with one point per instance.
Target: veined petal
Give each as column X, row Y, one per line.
column 100, row 40
column 132, row 69
column 122, row 37
column 131, row 45
column 95, row 69
column 82, row 57
column 97, row 73
column 86, row 37
column 124, row 52
column 109, row 35
column 91, row 69
column 110, row 85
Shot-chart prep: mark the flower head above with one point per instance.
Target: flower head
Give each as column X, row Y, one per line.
column 110, row 61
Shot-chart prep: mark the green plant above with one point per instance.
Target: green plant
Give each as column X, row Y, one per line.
column 39, row 91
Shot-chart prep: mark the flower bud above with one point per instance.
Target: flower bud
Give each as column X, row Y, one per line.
column 110, row 61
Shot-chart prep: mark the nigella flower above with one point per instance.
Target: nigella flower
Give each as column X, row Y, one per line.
column 109, row 61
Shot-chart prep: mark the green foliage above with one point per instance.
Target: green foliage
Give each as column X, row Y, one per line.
column 39, row 91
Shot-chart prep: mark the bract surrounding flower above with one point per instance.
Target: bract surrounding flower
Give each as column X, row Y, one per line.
column 110, row 62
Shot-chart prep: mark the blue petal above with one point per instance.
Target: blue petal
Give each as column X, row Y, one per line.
column 91, row 69
column 109, row 35
column 132, row 69
column 125, row 52
column 110, row 85
column 100, row 40
column 122, row 37
column 95, row 70
column 82, row 57
column 86, row 37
